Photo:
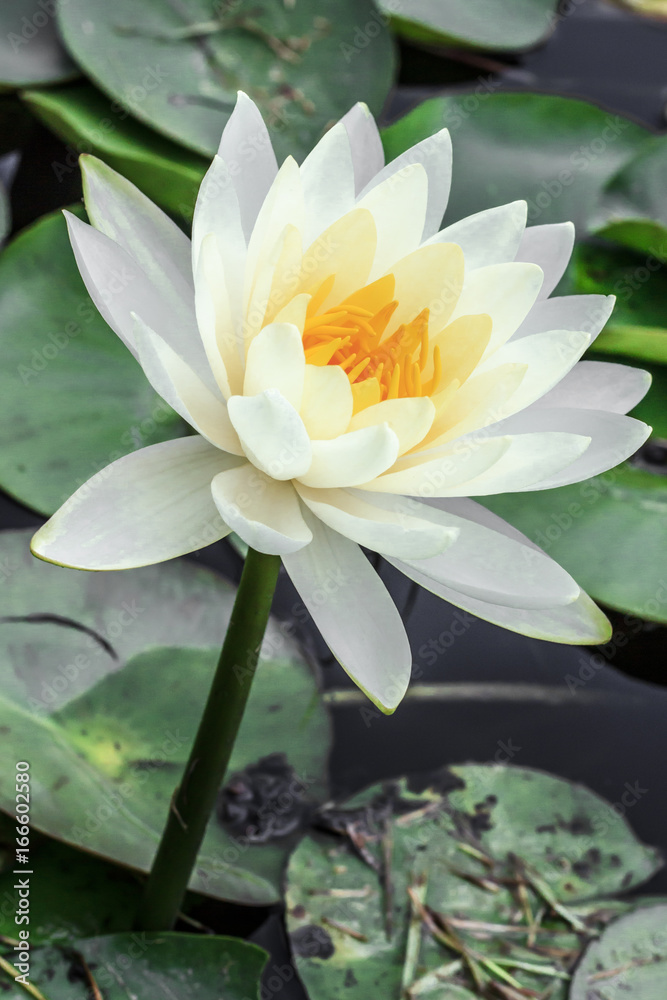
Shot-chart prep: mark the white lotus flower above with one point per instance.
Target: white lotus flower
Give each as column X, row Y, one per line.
column 353, row 376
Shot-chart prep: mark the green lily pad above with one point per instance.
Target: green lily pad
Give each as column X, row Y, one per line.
column 178, row 68
column 73, row 397
column 501, row 25
column 608, row 532
column 102, row 689
column 74, row 895
column 629, row 959
column 435, row 885
column 160, row 966
column 30, row 48
column 637, row 327
column 90, row 123
column 557, row 153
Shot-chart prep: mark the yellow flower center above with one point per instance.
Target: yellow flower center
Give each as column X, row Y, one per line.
column 353, row 336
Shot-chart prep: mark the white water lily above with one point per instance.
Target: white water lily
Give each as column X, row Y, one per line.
column 353, row 376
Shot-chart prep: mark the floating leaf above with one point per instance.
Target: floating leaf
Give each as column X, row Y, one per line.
column 74, row 895
column 90, row 123
column 556, row 153
column 30, row 48
column 629, row 959
column 103, row 679
column 637, row 327
column 73, row 397
column 128, row 966
column 178, row 68
column 473, row 876
column 502, row 25
column 608, row 532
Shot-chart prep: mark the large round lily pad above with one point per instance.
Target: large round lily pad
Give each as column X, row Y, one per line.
column 630, row 959
column 73, row 398
column 131, row 966
column 30, row 48
column 556, row 153
column 456, row 883
column 178, row 67
column 103, row 679
column 503, row 25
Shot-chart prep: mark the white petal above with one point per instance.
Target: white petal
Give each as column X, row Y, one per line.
column 579, row 622
column 613, row 439
column 394, row 527
column 489, row 566
column 431, row 277
column 272, row 434
column 410, row 419
column 117, row 284
column 488, row 237
column 276, row 361
column 442, row 472
column 398, row 207
column 352, row 458
column 326, row 407
column 265, row 513
column 217, row 211
column 435, row 155
column 365, row 143
column 549, row 357
column 214, row 319
column 588, row 313
column 599, row 385
column 327, row 175
column 123, row 213
column 183, row 390
column 550, row 247
column 246, row 149
column 150, row 505
column 354, row 613
column 275, row 278
column 507, row 292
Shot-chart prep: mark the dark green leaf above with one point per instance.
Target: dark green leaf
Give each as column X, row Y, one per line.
column 555, row 152
column 633, row 211
column 73, row 397
column 487, row 24
column 90, row 123
column 102, row 693
column 178, row 67
column 30, row 48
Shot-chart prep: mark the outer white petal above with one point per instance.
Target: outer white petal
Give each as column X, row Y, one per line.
column 246, row 149
column 599, row 385
column 351, row 458
column 214, row 319
column 435, row 155
column 217, row 211
column 365, row 143
column 550, row 247
column 327, row 175
column 613, row 439
column 123, row 213
column 489, row 566
column 355, row 614
column 276, row 361
column 549, row 356
column 327, row 403
column 149, row 506
column 398, row 207
column 118, row 286
column 579, row 622
column 441, row 472
column 588, row 313
column 507, row 292
column 179, row 386
column 272, row 434
column 488, row 237
column 265, row 513
column 395, row 527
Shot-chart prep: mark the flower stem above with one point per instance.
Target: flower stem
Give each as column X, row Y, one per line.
column 195, row 797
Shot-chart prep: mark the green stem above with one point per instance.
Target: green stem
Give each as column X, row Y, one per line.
column 195, row 798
